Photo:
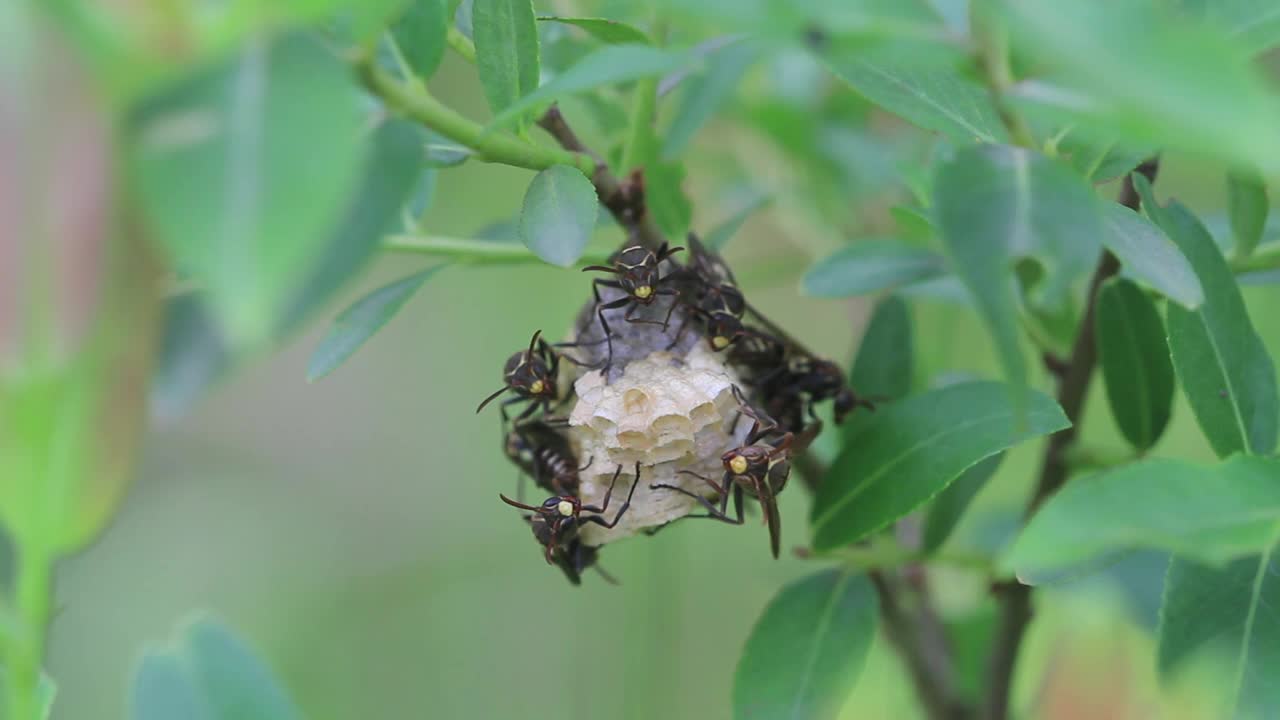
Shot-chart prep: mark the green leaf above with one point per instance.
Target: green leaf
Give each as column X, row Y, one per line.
column 886, row 353
column 706, row 93
column 506, row 39
column 1135, row 362
column 195, row 354
column 366, row 316
column 1226, row 373
column 1150, row 256
column 1247, row 208
column 441, row 152
column 609, row 31
column 664, row 192
column 722, row 233
column 163, row 690
column 1102, row 160
column 900, row 456
column 420, row 32
column 935, row 99
column 807, row 650
column 559, row 213
column 870, row 265
column 212, row 675
column 1215, row 514
column 947, row 509
column 232, row 180
column 1253, row 23
column 1141, row 73
column 994, row 202
column 1229, row 611
column 608, row 65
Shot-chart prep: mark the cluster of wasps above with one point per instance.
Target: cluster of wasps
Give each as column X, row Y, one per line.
column 786, row 379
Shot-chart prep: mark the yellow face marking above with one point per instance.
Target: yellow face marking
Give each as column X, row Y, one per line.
column 738, row 465
column 565, row 508
column 643, row 292
column 537, row 387
column 720, row 342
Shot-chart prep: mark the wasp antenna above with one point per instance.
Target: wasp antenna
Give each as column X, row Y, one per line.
column 492, row 397
column 516, row 504
column 533, row 341
column 600, row 268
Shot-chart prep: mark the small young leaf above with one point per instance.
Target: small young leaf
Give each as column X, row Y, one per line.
column 947, row 509
column 720, row 234
column 1150, row 256
column 163, row 690
column 934, row 99
column 704, row 94
column 212, row 675
column 506, row 39
column 609, row 31
column 1135, row 362
column 805, row 653
column 896, row 458
column 886, row 354
column 1225, row 371
column 1229, row 610
column 420, row 32
column 1247, row 209
column 366, row 316
column 441, row 152
column 606, row 66
column 236, row 683
column 560, row 209
column 229, row 173
column 870, row 265
column 1214, row 514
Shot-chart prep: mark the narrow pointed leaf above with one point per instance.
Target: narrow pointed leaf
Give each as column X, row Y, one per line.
column 900, row 456
column 805, row 653
column 947, row 509
column 602, row 29
column 870, row 265
column 421, row 33
column 706, row 93
column 1150, row 256
column 1229, row 612
column 163, row 690
column 366, row 316
column 559, row 213
column 606, row 66
column 237, row 684
column 1135, row 362
column 664, row 191
column 934, row 99
column 1212, row 513
column 506, row 39
column 1225, row 371
column 994, row 202
column 885, row 362
column 1247, row 209
column 243, row 169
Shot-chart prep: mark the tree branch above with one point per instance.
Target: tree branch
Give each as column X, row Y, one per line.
column 1013, row 597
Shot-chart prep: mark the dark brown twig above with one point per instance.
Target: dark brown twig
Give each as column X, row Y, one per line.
column 625, row 200
column 1013, row 597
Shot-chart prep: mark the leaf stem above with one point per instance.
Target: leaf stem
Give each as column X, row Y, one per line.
column 478, row 252
column 992, row 40
column 419, row 105
column 461, row 44
column 1014, row 598
column 24, row 653
column 1266, row 257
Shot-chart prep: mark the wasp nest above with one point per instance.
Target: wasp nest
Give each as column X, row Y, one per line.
column 660, row 401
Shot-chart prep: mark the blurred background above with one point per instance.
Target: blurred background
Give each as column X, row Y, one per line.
column 351, row 530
